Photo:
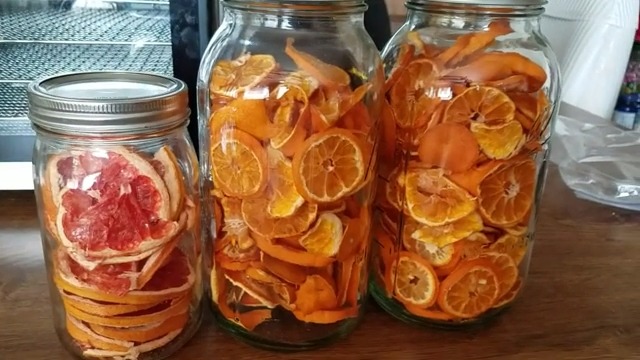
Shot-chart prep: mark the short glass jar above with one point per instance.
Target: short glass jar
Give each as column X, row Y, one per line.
column 116, row 182
column 471, row 89
column 290, row 93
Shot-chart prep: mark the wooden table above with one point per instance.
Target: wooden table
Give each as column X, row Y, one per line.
column 582, row 300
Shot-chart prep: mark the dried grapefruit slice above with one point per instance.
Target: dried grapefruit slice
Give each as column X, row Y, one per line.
column 414, row 280
column 169, row 169
column 253, row 213
column 450, row 146
column 145, row 333
column 480, row 104
column 239, row 163
column 327, row 74
column 248, row 115
column 469, row 290
column 316, row 293
column 499, row 141
column 229, row 77
column 432, row 199
column 443, row 235
column 172, row 280
column 329, row 166
column 506, row 195
column 101, row 308
column 506, row 270
column 285, row 199
column 117, row 185
column 325, row 237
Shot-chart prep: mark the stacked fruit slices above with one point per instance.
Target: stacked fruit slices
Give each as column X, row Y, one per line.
column 463, row 131
column 122, row 245
column 292, row 174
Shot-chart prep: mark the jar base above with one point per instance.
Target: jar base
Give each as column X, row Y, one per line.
column 393, row 308
column 192, row 326
column 238, row 332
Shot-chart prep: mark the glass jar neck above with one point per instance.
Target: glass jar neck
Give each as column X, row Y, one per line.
column 265, row 16
column 299, row 8
column 446, row 14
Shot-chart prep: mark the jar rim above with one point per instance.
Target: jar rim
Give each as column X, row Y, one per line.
column 106, row 103
column 309, row 7
column 487, row 3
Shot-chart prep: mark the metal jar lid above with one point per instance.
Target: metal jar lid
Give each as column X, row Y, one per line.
column 487, row 2
column 107, row 103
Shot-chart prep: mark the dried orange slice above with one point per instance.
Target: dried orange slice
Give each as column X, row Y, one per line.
column 471, row 43
column 316, row 293
column 325, row 237
column 356, row 234
column 506, row 195
column 239, row 163
column 291, row 254
column 235, row 252
column 325, row 109
column 248, row 115
column 510, row 295
column 413, row 96
column 470, row 180
column 469, row 290
column 442, row 235
column 327, row 74
column 514, row 246
column 269, row 294
column 253, row 213
column 500, row 141
column 290, row 273
column 303, row 80
column 450, row 146
column 480, row 104
column 290, row 118
column 327, row 316
column 388, row 134
column 229, row 77
column 285, row 199
column 431, row 199
column 101, row 308
column 404, row 57
column 432, row 314
column 436, row 256
column 506, row 270
column 233, row 223
column 514, row 64
column 414, row 280
column 354, row 98
column 329, row 166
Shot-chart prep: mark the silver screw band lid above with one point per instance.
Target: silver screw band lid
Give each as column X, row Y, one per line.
column 484, row 2
column 107, row 103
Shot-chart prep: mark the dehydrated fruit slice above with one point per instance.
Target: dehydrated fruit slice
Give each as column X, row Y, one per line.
column 113, row 204
column 263, row 292
column 253, row 213
column 288, row 272
column 303, row 80
column 327, row 74
column 247, row 115
column 514, row 246
column 506, row 270
column 238, row 163
column 506, row 195
column 229, row 77
column 469, row 290
column 325, row 237
column 232, row 214
column 145, row 333
column 404, row 57
column 480, row 104
column 432, row 314
column 327, row 316
column 510, row 295
column 290, row 119
column 414, row 281
column 356, row 235
column 285, row 199
column 292, row 255
column 413, row 97
column 471, row 43
column 325, row 109
column 330, row 166
column 388, row 135
column 443, row 235
column 235, row 252
column 450, row 146
column 101, row 308
column 171, row 173
column 431, row 199
column 356, row 97
column 471, row 179
column 172, row 280
column 499, row 141
column 316, row 293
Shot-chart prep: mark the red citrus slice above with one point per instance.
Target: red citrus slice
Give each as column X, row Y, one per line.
column 169, row 169
column 112, row 284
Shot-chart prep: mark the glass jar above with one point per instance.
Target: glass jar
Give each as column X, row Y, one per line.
column 116, row 183
column 289, row 93
column 471, row 89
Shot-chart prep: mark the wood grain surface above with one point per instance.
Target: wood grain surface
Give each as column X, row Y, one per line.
column 582, row 300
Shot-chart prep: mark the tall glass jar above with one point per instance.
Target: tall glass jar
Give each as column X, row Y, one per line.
column 116, row 182
column 290, row 93
column 471, row 89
